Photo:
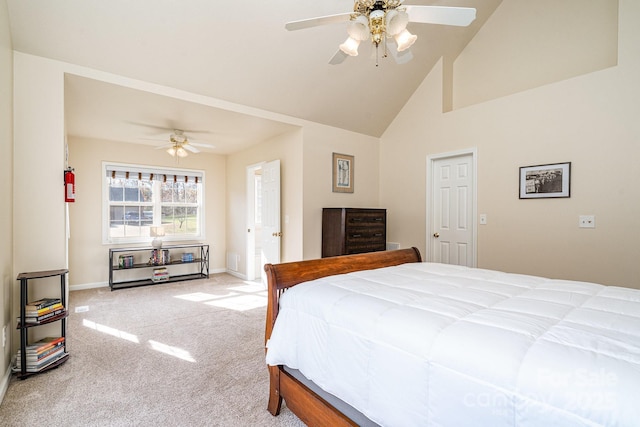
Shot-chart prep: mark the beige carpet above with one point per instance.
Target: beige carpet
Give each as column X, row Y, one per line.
column 175, row 354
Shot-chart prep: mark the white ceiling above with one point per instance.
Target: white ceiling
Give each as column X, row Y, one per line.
column 236, row 51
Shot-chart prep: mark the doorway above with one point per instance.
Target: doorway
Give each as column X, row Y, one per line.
column 263, row 217
column 452, row 208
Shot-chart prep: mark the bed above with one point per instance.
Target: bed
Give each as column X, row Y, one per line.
column 386, row 339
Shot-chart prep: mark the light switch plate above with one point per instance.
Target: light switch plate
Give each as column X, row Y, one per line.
column 587, row 221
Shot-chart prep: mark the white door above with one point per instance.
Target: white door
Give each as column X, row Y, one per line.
column 451, row 232
column 271, row 231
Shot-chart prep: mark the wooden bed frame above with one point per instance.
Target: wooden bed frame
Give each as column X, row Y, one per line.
column 301, row 400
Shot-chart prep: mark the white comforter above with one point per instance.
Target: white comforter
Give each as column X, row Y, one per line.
column 427, row 344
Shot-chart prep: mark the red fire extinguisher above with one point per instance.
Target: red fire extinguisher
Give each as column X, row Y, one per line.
column 69, row 185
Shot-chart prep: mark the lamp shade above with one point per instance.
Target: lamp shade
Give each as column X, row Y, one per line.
column 359, row 28
column 396, row 21
column 405, row 39
column 350, row 46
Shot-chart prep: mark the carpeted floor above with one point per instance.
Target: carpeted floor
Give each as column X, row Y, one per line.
column 175, row 354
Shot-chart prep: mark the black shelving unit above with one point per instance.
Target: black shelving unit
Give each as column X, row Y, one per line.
column 141, row 257
column 24, row 326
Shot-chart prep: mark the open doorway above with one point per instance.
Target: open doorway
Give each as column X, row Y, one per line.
column 264, row 232
column 254, row 220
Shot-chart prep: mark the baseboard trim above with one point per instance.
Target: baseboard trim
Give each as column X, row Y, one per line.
column 84, row 286
column 236, row 274
column 88, row 286
column 4, row 384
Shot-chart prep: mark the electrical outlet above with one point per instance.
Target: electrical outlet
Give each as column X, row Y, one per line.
column 4, row 336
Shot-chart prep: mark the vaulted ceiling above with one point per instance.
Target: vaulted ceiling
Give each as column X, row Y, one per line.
column 236, row 51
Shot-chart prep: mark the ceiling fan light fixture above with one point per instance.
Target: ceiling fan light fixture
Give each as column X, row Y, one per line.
column 405, row 39
column 397, row 21
column 171, row 151
column 350, row 46
column 181, row 152
column 359, row 28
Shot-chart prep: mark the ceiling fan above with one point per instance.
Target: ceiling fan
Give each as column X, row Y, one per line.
column 385, row 22
column 179, row 144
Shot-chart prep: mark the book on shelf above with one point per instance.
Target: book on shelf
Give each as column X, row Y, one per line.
column 38, row 356
column 42, row 364
column 44, row 344
column 160, row 257
column 42, row 304
column 35, row 313
column 38, row 319
column 160, row 274
column 125, row 261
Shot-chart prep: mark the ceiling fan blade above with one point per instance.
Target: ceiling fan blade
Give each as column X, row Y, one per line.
column 314, row 22
column 338, row 58
column 190, row 148
column 161, row 147
column 443, row 15
column 201, row 145
column 168, row 129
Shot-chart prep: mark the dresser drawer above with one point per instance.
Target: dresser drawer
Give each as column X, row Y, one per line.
column 368, row 219
column 357, row 235
column 362, row 248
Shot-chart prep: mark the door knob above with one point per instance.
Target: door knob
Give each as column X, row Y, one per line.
column 436, row 235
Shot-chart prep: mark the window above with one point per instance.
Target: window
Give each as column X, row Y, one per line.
column 139, row 201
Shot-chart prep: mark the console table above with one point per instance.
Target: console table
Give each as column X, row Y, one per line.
column 129, row 267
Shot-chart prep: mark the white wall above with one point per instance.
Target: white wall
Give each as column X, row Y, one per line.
column 319, row 144
column 39, row 211
column 7, row 278
column 589, row 120
column 533, row 43
column 288, row 149
column 306, row 162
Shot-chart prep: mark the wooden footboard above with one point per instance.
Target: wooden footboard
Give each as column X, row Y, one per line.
column 307, row 405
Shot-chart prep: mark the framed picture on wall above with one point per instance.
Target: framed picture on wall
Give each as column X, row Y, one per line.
column 545, row 181
column 342, row 173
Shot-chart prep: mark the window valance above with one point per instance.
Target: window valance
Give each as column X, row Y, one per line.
column 123, row 171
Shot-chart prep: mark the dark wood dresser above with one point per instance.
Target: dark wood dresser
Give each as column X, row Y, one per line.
column 353, row 230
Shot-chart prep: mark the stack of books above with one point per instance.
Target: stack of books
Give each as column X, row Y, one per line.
column 42, row 309
column 160, row 274
column 125, row 261
column 41, row 354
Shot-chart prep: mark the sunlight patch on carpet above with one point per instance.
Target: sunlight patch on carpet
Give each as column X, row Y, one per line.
column 172, row 351
column 241, row 303
column 249, row 287
column 110, row 331
column 203, row 296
